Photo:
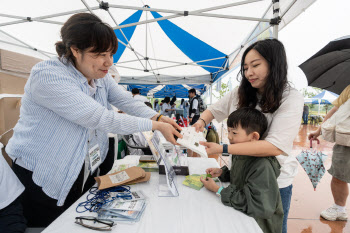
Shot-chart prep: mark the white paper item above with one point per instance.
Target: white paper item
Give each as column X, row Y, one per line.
column 199, row 165
column 191, row 140
column 119, row 177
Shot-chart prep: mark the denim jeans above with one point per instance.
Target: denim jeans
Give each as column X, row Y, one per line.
column 305, row 118
column 286, row 196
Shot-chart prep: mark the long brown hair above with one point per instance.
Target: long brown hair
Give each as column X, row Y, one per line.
column 274, row 53
column 85, row 31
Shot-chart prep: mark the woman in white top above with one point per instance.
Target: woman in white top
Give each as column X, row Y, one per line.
column 264, row 86
column 166, row 108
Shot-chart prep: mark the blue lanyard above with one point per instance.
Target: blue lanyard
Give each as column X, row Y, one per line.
column 98, row 198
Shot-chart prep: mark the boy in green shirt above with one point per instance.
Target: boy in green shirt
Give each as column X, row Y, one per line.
column 253, row 187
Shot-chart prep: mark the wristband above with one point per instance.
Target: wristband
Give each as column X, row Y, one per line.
column 205, row 124
column 160, row 116
column 224, row 149
column 218, row 193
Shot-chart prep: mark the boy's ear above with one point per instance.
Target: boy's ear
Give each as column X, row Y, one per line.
column 255, row 136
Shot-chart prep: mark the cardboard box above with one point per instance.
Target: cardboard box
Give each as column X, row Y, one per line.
column 9, row 115
column 11, row 84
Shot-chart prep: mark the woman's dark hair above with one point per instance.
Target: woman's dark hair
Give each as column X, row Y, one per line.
column 182, row 101
column 274, row 53
column 85, row 31
column 155, row 104
column 167, row 99
column 250, row 119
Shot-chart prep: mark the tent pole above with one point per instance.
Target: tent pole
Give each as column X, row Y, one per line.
column 250, row 34
column 26, row 47
column 276, row 12
column 47, row 16
column 211, row 93
column 29, row 46
column 128, row 42
column 182, row 14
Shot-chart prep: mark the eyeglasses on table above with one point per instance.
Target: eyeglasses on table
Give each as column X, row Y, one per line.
column 95, row 223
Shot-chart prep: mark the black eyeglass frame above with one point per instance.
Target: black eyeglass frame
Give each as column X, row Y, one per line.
column 107, row 222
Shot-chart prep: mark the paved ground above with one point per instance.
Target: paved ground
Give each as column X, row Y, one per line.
column 306, row 203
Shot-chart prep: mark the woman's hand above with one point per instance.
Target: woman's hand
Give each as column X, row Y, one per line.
column 212, row 148
column 167, row 130
column 210, row 184
column 199, row 125
column 314, row 135
column 166, row 119
column 214, row 172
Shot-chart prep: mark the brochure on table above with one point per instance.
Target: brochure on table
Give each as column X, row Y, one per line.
column 167, row 183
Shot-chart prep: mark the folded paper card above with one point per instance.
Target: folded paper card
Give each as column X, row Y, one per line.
column 130, row 175
column 191, row 140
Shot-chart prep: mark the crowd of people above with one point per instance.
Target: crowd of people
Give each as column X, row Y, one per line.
column 60, row 142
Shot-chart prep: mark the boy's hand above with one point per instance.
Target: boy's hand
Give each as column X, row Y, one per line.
column 210, row 184
column 214, row 172
column 212, row 148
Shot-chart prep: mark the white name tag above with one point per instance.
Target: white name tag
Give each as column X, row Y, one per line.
column 120, row 177
column 95, row 158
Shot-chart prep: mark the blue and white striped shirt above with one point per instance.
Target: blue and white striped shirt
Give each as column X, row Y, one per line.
column 51, row 136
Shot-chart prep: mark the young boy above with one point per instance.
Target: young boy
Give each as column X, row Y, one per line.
column 253, row 187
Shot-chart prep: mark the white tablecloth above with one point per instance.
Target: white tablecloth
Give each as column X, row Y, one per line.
column 191, row 212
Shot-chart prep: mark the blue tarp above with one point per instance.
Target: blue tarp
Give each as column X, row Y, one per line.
column 325, row 97
column 128, row 32
column 192, row 47
column 169, row 90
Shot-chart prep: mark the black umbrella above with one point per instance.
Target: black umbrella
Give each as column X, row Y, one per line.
column 329, row 68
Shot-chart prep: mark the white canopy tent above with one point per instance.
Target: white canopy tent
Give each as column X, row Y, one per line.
column 151, row 58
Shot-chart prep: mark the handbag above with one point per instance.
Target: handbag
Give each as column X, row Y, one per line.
column 337, row 128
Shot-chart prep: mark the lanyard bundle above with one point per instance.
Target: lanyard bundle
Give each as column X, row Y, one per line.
column 98, row 198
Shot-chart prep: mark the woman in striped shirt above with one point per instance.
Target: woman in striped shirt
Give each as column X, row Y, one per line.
column 60, row 142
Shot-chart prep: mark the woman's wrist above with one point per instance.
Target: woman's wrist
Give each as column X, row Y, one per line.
column 156, row 125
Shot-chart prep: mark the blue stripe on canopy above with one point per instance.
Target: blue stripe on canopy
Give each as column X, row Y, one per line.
column 194, row 48
column 169, row 90
column 144, row 89
column 128, row 32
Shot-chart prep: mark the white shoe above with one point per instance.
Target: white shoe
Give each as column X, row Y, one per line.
column 333, row 214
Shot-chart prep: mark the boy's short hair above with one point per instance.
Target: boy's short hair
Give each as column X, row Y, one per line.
column 250, row 119
column 135, row 91
column 192, row 91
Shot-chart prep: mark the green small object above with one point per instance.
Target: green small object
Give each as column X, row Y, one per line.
column 209, row 175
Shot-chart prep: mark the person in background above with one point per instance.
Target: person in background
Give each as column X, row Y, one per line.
column 60, row 142
column 340, row 168
column 194, row 107
column 264, row 86
column 166, row 108
column 156, row 106
column 253, row 187
column 182, row 103
column 137, row 96
column 186, row 109
column 305, row 114
column 11, row 211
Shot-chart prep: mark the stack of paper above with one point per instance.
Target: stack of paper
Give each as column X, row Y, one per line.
column 124, row 210
column 191, row 140
column 130, row 175
column 149, row 166
column 193, row 181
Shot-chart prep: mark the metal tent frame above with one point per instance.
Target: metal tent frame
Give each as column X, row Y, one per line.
column 154, row 76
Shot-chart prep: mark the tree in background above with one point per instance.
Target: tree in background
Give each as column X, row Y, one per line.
column 224, row 89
